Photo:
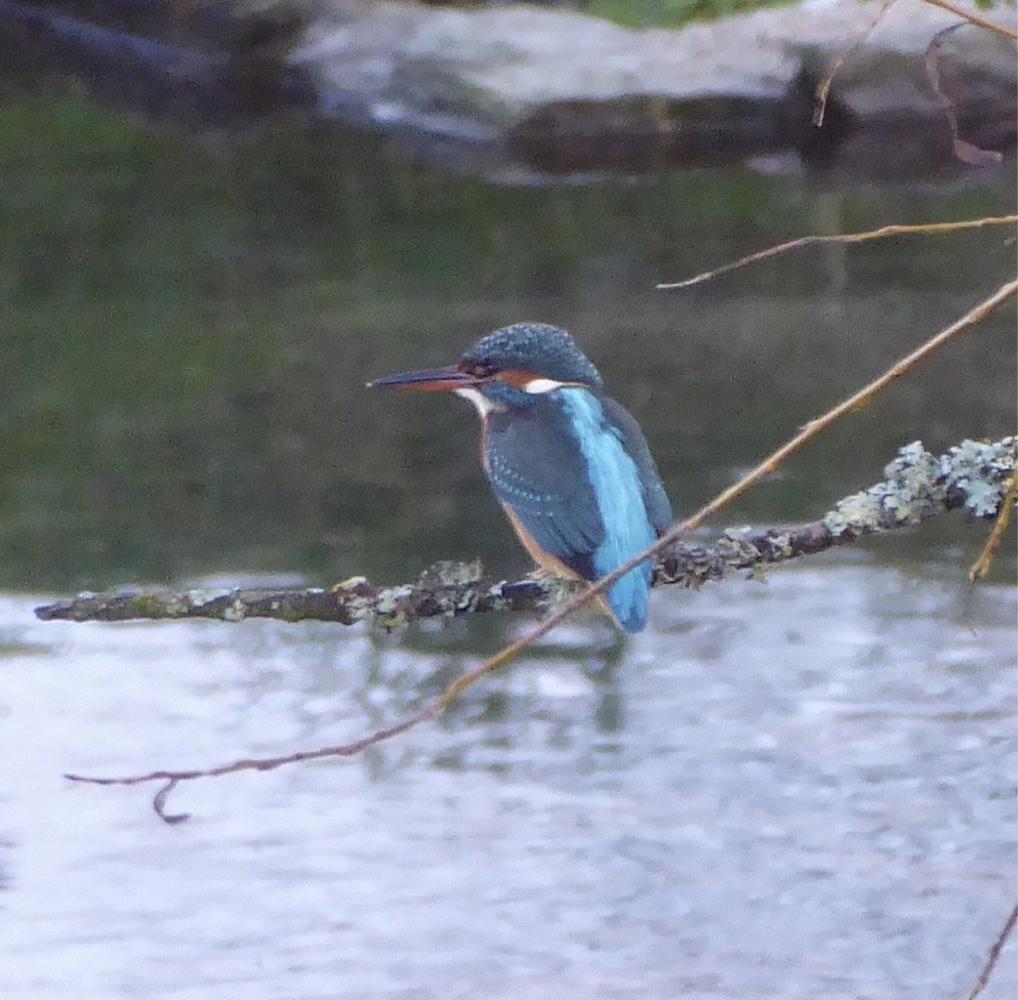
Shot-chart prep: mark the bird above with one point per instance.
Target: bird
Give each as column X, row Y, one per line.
column 569, row 465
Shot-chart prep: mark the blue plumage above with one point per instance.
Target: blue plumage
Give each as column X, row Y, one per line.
column 570, row 466
column 563, row 468
column 616, row 484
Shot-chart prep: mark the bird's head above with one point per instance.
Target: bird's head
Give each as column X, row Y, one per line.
column 508, row 369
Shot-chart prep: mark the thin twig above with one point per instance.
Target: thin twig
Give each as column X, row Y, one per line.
column 991, row 958
column 172, row 778
column 971, row 15
column 964, row 150
column 824, row 87
column 872, row 234
column 854, row 402
column 982, row 565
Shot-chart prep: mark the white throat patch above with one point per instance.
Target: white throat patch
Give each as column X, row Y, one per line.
column 483, row 406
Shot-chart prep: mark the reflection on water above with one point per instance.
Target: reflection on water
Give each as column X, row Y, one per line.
column 802, row 789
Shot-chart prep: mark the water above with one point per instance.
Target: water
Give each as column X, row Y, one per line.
column 797, row 789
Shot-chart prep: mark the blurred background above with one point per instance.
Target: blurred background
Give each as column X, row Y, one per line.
column 800, row 789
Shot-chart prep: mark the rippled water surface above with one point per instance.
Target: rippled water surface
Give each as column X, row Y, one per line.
column 798, row 789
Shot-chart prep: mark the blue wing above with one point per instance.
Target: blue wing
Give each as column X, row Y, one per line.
column 655, row 500
column 575, row 470
column 537, row 470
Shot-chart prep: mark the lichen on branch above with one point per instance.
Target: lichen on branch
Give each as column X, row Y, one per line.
column 973, row 476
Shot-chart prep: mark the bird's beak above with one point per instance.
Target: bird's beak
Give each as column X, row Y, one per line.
column 429, row 380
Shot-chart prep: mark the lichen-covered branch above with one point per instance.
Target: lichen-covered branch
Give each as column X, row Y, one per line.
column 973, row 476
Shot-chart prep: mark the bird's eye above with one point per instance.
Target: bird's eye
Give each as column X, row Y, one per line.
column 479, row 369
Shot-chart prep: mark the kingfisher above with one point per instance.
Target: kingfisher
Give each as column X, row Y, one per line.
column 569, row 465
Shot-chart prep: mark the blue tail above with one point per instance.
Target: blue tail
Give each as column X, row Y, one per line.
column 630, row 597
column 618, row 491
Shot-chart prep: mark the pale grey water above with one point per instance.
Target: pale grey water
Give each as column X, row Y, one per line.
column 801, row 789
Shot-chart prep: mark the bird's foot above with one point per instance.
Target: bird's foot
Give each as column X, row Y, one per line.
column 559, row 589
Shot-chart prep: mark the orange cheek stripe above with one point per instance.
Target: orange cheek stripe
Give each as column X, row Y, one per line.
column 517, row 379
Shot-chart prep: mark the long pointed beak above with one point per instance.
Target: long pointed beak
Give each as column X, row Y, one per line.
column 429, row 380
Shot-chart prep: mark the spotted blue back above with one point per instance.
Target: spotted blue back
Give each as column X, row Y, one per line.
column 575, row 469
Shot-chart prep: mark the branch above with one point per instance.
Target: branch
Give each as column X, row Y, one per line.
column 824, row 87
column 974, row 476
column 857, row 400
column 918, row 486
column 965, row 151
column 974, row 18
column 873, row 234
column 982, row 565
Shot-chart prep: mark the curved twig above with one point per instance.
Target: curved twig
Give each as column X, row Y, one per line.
column 873, row 234
column 982, row 565
column 964, row 150
column 509, row 653
column 824, row 87
column 972, row 476
column 975, row 18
